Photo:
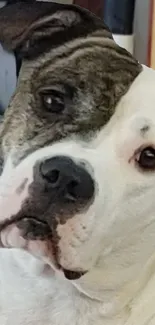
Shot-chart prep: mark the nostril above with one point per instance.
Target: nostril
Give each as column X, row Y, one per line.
column 72, row 192
column 53, row 176
column 80, row 189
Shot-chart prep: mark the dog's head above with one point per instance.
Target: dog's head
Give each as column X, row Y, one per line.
column 77, row 142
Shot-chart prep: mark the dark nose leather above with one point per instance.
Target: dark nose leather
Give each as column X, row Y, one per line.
column 68, row 180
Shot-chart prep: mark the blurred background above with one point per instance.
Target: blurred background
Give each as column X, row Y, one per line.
column 132, row 23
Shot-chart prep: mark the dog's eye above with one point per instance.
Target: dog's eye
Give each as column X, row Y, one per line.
column 53, row 102
column 146, row 159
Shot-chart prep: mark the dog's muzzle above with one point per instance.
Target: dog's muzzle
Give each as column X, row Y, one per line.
column 60, row 189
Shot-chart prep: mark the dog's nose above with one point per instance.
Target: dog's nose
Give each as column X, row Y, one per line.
column 68, row 180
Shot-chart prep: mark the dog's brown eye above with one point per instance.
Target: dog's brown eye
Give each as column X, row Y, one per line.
column 53, row 102
column 146, row 159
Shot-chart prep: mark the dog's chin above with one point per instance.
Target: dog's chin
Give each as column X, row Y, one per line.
column 35, row 236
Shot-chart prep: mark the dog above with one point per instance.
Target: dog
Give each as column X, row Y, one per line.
column 77, row 185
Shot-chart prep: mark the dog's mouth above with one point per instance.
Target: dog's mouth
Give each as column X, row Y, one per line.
column 34, row 229
column 73, row 275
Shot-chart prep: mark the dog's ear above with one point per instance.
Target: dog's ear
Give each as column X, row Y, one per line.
column 31, row 26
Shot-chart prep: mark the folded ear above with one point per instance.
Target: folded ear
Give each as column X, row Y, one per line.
column 31, row 26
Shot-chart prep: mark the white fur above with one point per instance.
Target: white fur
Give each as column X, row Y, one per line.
column 114, row 239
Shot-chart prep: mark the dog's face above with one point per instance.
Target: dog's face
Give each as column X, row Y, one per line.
column 77, row 141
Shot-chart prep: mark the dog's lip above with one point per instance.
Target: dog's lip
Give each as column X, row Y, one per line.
column 68, row 273
column 13, row 220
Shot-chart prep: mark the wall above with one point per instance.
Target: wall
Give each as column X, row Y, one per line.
column 141, row 26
